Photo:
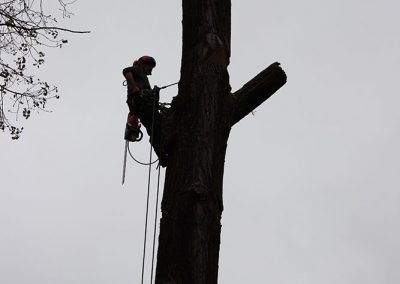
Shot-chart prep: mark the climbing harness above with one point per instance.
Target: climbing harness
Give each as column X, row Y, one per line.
column 133, row 134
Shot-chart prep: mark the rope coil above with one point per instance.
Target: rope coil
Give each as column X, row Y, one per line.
column 139, row 162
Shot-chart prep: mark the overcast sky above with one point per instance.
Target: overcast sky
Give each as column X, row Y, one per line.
column 311, row 188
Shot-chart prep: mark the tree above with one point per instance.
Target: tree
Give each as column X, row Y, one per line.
column 25, row 31
column 204, row 112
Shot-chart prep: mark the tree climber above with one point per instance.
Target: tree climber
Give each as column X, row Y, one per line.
column 141, row 101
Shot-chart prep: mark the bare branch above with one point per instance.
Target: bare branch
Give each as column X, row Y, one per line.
column 44, row 28
column 25, row 30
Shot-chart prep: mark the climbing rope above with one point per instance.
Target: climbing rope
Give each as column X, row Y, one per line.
column 147, row 201
column 125, row 83
column 155, row 219
column 149, row 164
column 155, row 225
column 139, row 162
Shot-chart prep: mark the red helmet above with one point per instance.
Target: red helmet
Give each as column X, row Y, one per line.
column 145, row 60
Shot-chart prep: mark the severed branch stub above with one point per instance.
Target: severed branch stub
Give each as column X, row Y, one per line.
column 257, row 90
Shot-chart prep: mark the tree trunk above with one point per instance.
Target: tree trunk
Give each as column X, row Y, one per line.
column 204, row 112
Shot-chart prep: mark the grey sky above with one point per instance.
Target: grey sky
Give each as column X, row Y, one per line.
column 311, row 189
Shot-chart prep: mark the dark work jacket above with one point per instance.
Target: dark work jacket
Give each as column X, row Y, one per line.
column 136, row 102
column 138, row 75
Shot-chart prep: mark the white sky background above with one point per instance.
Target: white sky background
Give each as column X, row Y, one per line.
column 311, row 193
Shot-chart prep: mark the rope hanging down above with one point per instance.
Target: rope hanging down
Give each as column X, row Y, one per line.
column 155, row 224
column 147, row 202
column 148, row 191
column 150, row 163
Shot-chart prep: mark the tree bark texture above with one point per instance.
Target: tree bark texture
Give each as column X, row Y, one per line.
column 204, row 111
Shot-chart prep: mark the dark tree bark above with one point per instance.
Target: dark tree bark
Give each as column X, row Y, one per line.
column 204, row 112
